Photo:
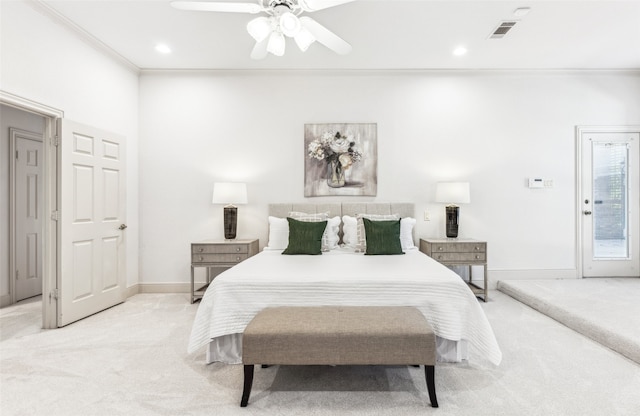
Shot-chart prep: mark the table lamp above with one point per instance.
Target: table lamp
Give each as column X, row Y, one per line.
column 452, row 193
column 230, row 193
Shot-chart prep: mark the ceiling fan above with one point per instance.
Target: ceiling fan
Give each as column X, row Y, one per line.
column 282, row 19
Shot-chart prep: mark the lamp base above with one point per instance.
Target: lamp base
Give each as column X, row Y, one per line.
column 230, row 222
column 452, row 213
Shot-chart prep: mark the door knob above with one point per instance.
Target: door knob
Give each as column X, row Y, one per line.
column 122, row 227
column 587, row 212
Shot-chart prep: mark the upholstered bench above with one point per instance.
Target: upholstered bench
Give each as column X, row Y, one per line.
column 339, row 335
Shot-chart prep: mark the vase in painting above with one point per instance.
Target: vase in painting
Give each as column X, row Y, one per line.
column 335, row 174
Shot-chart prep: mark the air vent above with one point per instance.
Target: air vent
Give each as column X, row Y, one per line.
column 502, row 30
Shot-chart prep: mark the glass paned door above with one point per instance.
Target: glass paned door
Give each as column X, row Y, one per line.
column 610, row 200
column 610, row 204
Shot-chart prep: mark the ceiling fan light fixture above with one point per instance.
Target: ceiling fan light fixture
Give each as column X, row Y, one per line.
column 304, row 39
column 289, row 24
column 276, row 43
column 259, row 28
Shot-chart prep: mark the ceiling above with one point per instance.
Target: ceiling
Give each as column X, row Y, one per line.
column 385, row 34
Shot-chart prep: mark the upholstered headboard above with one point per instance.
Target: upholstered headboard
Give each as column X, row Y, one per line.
column 403, row 209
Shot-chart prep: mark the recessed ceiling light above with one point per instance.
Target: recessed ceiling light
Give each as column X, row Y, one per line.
column 521, row 11
column 459, row 51
column 162, row 48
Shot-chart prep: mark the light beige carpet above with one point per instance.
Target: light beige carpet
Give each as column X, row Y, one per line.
column 606, row 310
column 131, row 360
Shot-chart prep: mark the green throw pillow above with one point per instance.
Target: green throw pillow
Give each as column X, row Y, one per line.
column 305, row 237
column 383, row 237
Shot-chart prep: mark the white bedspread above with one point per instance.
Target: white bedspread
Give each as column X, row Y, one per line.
column 344, row 278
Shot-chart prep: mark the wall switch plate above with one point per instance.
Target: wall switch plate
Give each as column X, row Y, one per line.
column 427, row 216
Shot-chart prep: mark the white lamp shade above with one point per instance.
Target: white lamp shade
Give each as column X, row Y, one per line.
column 229, row 193
column 453, row 192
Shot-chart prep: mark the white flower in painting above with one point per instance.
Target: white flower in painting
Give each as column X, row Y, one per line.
column 340, row 145
column 345, row 160
column 316, row 150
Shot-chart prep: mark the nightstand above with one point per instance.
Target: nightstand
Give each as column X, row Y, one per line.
column 221, row 255
column 460, row 252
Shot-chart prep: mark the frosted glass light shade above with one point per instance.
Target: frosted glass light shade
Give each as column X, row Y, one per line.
column 453, row 192
column 289, row 24
column 229, row 193
column 259, row 28
column 276, row 44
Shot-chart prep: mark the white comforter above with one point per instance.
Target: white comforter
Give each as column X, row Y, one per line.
column 344, row 278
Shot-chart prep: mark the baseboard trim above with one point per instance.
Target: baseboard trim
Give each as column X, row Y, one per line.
column 158, row 288
column 5, row 300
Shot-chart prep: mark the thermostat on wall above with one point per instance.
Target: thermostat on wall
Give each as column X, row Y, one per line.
column 540, row 183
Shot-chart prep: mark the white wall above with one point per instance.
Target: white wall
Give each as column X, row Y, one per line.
column 10, row 117
column 43, row 61
column 494, row 129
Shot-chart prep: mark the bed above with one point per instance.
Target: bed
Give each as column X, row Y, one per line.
column 342, row 276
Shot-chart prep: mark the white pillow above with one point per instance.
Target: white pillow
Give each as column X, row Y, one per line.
column 406, row 233
column 278, row 233
column 349, row 231
column 361, row 245
column 330, row 236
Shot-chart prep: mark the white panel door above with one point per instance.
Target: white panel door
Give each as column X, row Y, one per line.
column 28, row 210
column 92, row 215
column 610, row 204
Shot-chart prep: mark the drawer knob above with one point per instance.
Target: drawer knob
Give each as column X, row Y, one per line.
column 477, row 248
column 237, row 248
column 477, row 257
column 439, row 257
column 201, row 249
column 238, row 258
column 440, row 248
column 201, row 258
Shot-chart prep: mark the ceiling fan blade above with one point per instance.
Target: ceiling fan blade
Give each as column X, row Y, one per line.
column 260, row 49
column 218, row 6
column 325, row 36
column 313, row 5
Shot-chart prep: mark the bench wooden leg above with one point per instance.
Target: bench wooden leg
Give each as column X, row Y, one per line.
column 248, row 382
column 429, row 371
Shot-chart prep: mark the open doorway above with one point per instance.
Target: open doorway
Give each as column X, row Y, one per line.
column 40, row 120
column 84, row 208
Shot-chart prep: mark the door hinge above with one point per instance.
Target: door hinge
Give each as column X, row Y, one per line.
column 55, row 140
column 55, row 215
column 17, row 157
column 54, row 294
column 17, row 274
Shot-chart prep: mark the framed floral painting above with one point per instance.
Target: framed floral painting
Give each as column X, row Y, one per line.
column 340, row 159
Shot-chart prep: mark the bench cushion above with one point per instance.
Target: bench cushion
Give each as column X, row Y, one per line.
column 339, row 335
